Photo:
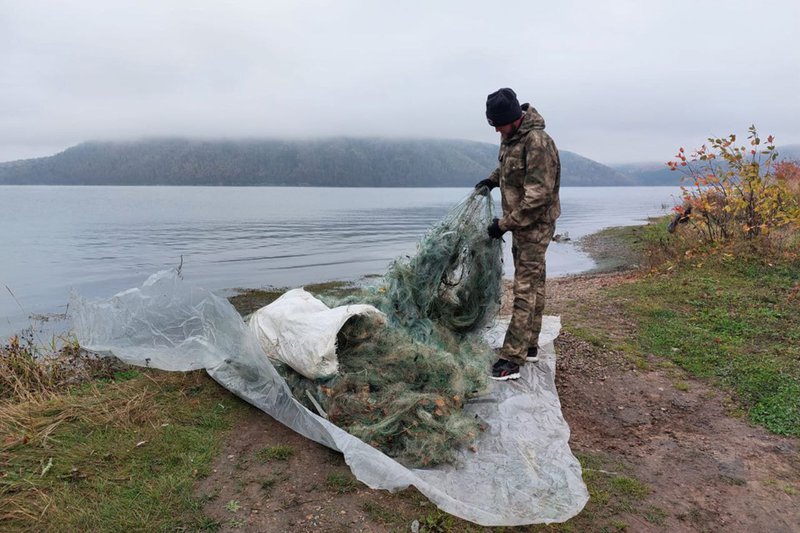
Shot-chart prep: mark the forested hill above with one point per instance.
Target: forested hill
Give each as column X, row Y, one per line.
column 657, row 173
column 343, row 162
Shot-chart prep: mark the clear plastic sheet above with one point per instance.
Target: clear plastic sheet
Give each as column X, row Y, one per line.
column 523, row 471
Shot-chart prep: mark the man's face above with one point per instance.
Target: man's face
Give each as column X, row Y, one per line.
column 508, row 130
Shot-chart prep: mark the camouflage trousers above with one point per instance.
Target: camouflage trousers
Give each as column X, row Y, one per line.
column 528, row 248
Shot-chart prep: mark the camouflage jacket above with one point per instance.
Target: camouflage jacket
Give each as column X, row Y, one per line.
column 529, row 175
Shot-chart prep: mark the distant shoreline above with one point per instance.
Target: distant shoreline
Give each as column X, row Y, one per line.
column 317, row 186
column 336, row 162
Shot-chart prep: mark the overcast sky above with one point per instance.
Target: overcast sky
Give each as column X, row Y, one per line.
column 615, row 81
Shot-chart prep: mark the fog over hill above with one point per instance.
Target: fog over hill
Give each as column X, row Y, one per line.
column 339, row 162
column 657, row 173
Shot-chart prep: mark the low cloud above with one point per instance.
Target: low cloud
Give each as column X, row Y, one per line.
column 616, row 82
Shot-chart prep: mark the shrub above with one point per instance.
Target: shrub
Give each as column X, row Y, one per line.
column 739, row 193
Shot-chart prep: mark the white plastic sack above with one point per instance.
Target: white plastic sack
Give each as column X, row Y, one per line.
column 522, row 473
column 301, row 331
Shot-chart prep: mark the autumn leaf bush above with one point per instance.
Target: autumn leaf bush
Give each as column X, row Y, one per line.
column 788, row 173
column 739, row 195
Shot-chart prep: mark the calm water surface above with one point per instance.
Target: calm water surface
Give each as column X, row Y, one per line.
column 101, row 240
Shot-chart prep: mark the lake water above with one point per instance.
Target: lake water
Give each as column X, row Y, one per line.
column 101, row 240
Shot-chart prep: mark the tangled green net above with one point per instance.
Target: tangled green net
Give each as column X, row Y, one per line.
column 401, row 387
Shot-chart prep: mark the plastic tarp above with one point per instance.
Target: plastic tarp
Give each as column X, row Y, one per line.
column 301, row 331
column 523, row 471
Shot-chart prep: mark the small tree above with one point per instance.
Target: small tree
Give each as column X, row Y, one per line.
column 734, row 191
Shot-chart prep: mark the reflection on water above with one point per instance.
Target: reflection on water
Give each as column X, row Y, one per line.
column 101, row 240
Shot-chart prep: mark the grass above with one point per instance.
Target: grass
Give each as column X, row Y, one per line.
column 612, row 492
column 617, row 247
column 341, row 483
column 279, row 452
column 728, row 314
column 438, row 521
column 383, row 514
column 731, row 321
column 681, row 386
column 269, row 484
column 112, row 455
column 30, row 371
column 247, row 301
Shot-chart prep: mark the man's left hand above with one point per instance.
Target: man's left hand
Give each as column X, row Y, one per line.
column 494, row 230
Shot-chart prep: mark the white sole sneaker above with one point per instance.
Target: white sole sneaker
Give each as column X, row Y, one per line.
column 506, row 378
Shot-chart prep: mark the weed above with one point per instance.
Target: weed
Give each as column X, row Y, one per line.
column 731, row 480
column 341, row 483
column 233, row 506
column 629, row 487
column 589, row 335
column 681, row 386
column 655, row 515
column 611, row 492
column 206, row 523
column 437, row 522
column 617, row 525
column 269, row 484
column 382, row 514
column 279, row 452
column 125, row 375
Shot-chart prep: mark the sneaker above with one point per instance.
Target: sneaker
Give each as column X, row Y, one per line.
column 533, row 355
column 504, row 370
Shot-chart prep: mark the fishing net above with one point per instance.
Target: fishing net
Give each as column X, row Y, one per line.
column 401, row 387
column 454, row 280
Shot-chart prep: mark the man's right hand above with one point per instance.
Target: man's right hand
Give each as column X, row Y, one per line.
column 494, row 230
column 489, row 184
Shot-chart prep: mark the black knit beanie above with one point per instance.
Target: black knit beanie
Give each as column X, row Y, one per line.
column 502, row 107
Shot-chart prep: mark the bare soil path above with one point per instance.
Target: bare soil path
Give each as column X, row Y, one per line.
column 703, row 469
column 707, row 470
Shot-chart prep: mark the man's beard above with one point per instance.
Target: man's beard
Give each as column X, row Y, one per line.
column 507, row 136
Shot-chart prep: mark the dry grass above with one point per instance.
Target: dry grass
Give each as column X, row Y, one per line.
column 29, row 372
column 88, row 443
column 33, row 421
column 29, row 430
column 110, row 454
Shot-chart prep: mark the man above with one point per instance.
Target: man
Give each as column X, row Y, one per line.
column 529, row 176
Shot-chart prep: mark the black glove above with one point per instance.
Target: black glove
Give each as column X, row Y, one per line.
column 494, row 229
column 486, row 183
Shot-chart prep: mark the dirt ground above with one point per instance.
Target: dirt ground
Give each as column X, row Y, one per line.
column 706, row 469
